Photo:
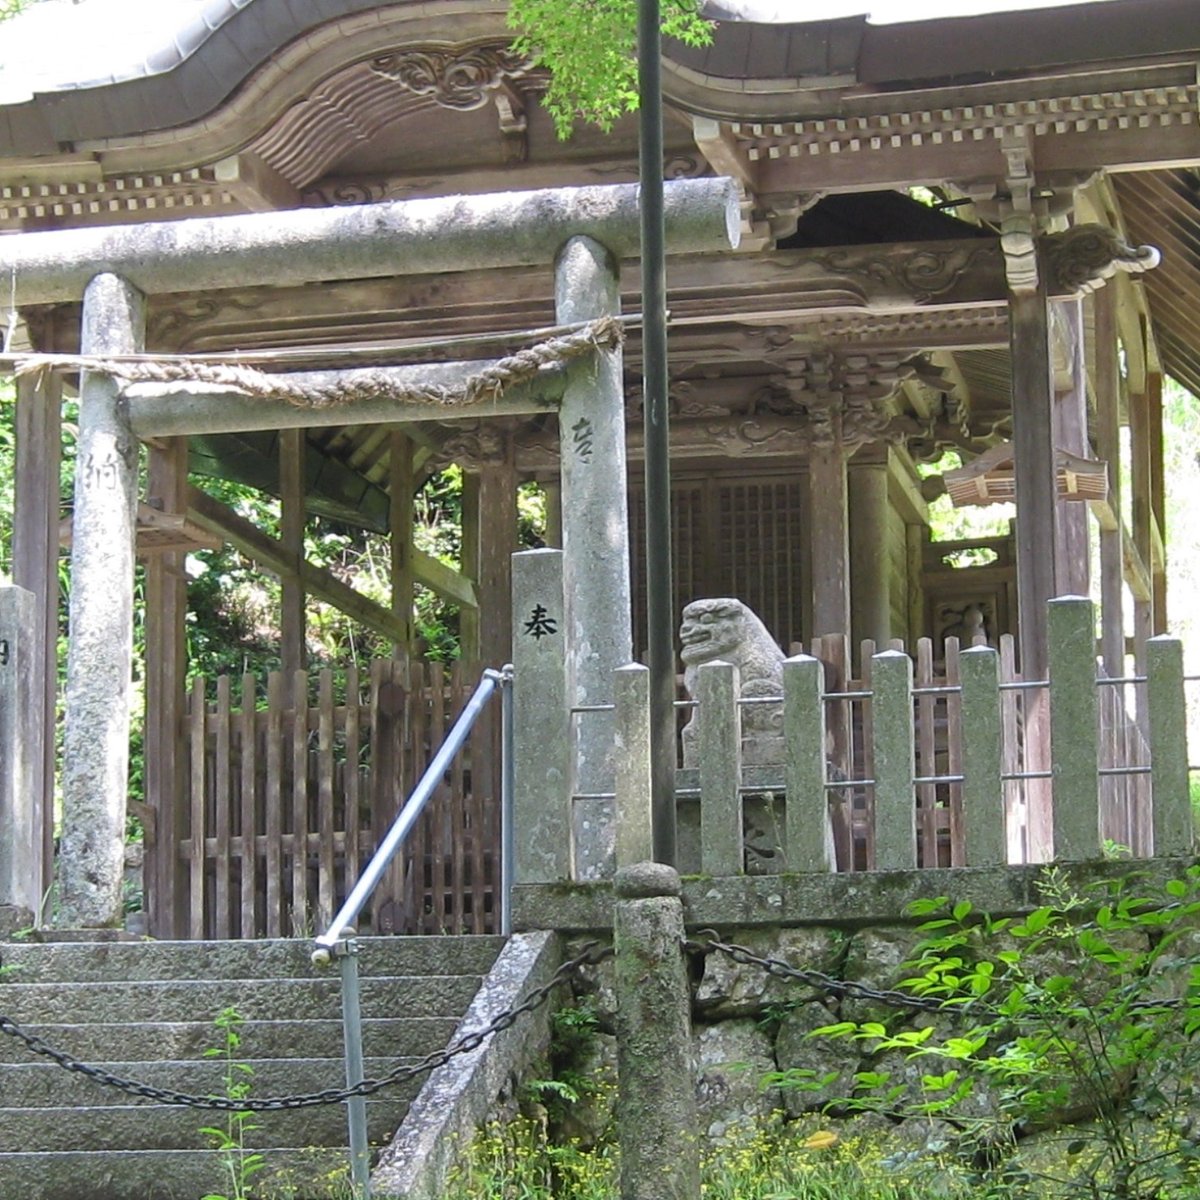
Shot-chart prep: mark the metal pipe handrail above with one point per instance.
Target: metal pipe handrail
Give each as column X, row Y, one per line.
column 414, row 806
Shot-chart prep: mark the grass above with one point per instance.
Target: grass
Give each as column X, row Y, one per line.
column 762, row 1161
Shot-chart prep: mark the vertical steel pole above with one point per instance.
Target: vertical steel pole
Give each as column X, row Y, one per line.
column 507, row 845
column 660, row 623
column 356, row 1106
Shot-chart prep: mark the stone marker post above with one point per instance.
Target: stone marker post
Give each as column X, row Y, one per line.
column 892, row 738
column 541, row 723
column 1074, row 745
column 95, row 771
column 20, row 841
column 631, row 699
column 1174, row 828
column 595, row 520
column 656, row 1102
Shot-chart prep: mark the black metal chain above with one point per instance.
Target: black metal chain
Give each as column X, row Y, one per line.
column 972, row 1007
column 591, row 954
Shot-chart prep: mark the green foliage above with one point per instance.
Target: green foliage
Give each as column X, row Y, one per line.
column 240, row 1164
column 590, row 49
column 1081, row 1017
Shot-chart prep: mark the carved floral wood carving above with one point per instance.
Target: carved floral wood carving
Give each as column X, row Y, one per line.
column 924, row 275
column 455, row 76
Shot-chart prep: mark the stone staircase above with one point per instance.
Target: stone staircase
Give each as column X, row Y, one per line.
column 145, row 1010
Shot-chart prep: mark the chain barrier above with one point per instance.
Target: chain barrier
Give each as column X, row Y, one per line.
column 973, row 1007
column 591, row 954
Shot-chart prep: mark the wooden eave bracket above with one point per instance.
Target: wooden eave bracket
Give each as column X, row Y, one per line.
column 991, row 478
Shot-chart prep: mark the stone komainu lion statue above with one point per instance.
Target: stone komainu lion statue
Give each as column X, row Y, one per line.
column 726, row 629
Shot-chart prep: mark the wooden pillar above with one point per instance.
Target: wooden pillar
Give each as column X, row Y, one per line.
column 497, row 541
column 292, row 654
column 36, row 507
column 1140, row 484
column 166, row 670
column 401, row 485
column 472, row 517
column 828, row 532
column 1071, row 546
column 1107, row 385
column 870, row 596
column 1037, row 495
column 1158, row 501
column 1033, row 447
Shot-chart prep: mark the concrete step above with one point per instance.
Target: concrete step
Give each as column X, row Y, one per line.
column 269, row 999
column 162, row 1127
column 305, row 1174
column 110, row 1042
column 75, row 962
column 48, row 1086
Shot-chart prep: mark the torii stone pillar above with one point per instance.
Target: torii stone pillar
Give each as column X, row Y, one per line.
column 100, row 649
column 595, row 521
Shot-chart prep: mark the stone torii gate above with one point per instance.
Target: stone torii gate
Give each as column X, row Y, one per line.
column 584, row 232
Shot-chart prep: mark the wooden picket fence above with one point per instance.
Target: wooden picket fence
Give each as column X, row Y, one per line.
column 289, row 801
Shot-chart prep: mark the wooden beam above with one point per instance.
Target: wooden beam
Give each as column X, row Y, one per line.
column 1158, row 506
column 269, row 553
column 716, row 141
column 1106, row 382
column 445, row 581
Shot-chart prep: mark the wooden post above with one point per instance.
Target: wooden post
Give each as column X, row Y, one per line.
column 1174, row 828
column 293, row 655
column 400, row 526
column 720, row 755
column 1074, row 738
column 829, row 535
column 542, row 769
column 472, row 519
column 21, row 882
column 1157, row 566
column 1072, row 568
column 497, row 541
column 35, row 548
column 982, row 789
column 1140, row 482
column 894, row 767
column 166, row 671
column 1036, row 487
column 809, row 832
column 631, row 806
column 1108, row 448
column 870, row 600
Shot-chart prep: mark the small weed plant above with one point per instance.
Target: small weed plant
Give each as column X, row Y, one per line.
column 1077, row 1022
column 240, row 1163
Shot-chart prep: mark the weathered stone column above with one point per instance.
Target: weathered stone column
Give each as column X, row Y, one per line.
column 99, row 661
column 595, row 521
column 656, row 1105
column 20, row 836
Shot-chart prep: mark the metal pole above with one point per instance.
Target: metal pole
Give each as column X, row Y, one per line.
column 356, row 1106
column 507, row 845
column 660, row 625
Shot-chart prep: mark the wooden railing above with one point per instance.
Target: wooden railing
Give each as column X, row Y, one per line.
column 284, row 803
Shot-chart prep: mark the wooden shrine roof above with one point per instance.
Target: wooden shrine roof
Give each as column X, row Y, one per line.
column 842, row 281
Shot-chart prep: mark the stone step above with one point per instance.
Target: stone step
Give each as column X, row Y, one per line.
column 109, row 1042
column 75, row 962
column 37, row 1085
column 160, row 1127
column 313, row 1173
column 274, row 999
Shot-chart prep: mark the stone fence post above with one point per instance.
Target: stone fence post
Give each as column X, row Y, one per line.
column 656, row 1108
column 20, row 841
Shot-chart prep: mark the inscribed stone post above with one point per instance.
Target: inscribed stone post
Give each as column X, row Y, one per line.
column 100, row 653
column 542, row 777
column 595, row 540
column 892, row 723
column 20, row 835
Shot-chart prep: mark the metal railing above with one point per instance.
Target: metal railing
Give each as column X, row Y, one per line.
column 338, row 941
